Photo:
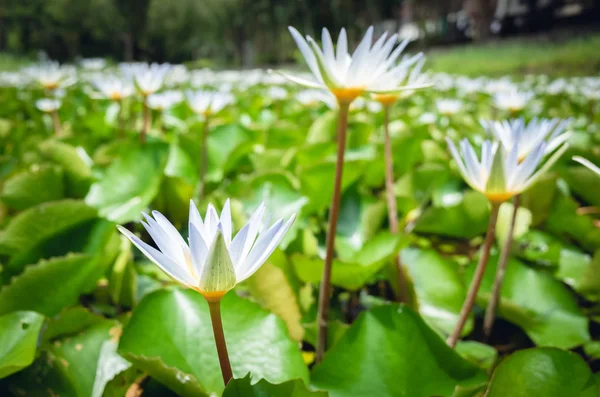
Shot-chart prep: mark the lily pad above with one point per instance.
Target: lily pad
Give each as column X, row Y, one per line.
column 542, row 372
column 19, row 333
column 180, row 350
column 390, row 351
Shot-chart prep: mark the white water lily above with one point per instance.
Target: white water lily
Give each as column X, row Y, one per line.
column 51, row 75
column 408, row 73
column 211, row 262
column 48, row 105
column 208, row 102
column 164, row 100
column 499, row 174
column 114, row 88
column 448, row 107
column 369, row 69
column 93, row 64
column 587, row 163
column 512, row 100
column 147, row 78
column 526, row 136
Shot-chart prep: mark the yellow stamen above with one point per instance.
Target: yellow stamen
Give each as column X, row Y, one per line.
column 499, row 198
column 211, row 297
column 115, row 96
column 347, row 95
column 386, row 99
column 50, row 86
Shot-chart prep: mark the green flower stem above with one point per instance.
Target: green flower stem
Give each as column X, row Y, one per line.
column 488, row 323
column 145, row 120
column 401, row 283
column 476, row 283
column 203, row 159
column 56, row 123
column 325, row 291
column 214, row 306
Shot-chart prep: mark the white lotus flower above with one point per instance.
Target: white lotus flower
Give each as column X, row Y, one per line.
column 448, row 107
column 147, row 78
column 212, row 262
column 277, row 93
column 408, row 72
column 587, row 163
column 512, row 100
column 528, row 135
column 48, row 105
column 114, row 88
column 93, row 63
column 208, row 102
column 51, row 75
column 368, row 69
column 500, row 175
column 164, row 100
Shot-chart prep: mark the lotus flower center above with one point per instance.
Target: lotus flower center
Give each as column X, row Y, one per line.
column 347, row 95
column 385, row 99
column 212, row 296
column 498, row 198
column 50, row 85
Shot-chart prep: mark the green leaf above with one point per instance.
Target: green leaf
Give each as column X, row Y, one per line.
column 390, row 351
column 355, row 273
column 569, row 264
column 180, row 350
column 316, row 176
column 542, row 372
column 73, row 161
column 522, row 222
column 34, row 186
column 122, row 283
column 535, row 301
column 129, row 184
column 62, row 278
column 173, row 199
column 565, row 222
column 468, row 219
column 539, row 197
column 424, row 181
column 360, row 219
column 293, row 388
column 323, row 129
column 439, row 290
column 79, row 365
column 270, row 285
column 37, row 224
column 224, row 146
column 19, row 333
column 480, row 354
column 584, row 184
column 280, row 194
column 70, row 321
column 179, row 164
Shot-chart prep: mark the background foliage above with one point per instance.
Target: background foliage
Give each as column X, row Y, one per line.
column 83, row 314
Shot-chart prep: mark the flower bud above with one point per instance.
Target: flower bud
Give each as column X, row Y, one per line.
column 218, row 275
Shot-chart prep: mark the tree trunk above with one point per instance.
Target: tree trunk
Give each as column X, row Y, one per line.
column 128, row 47
column 480, row 13
column 3, row 33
